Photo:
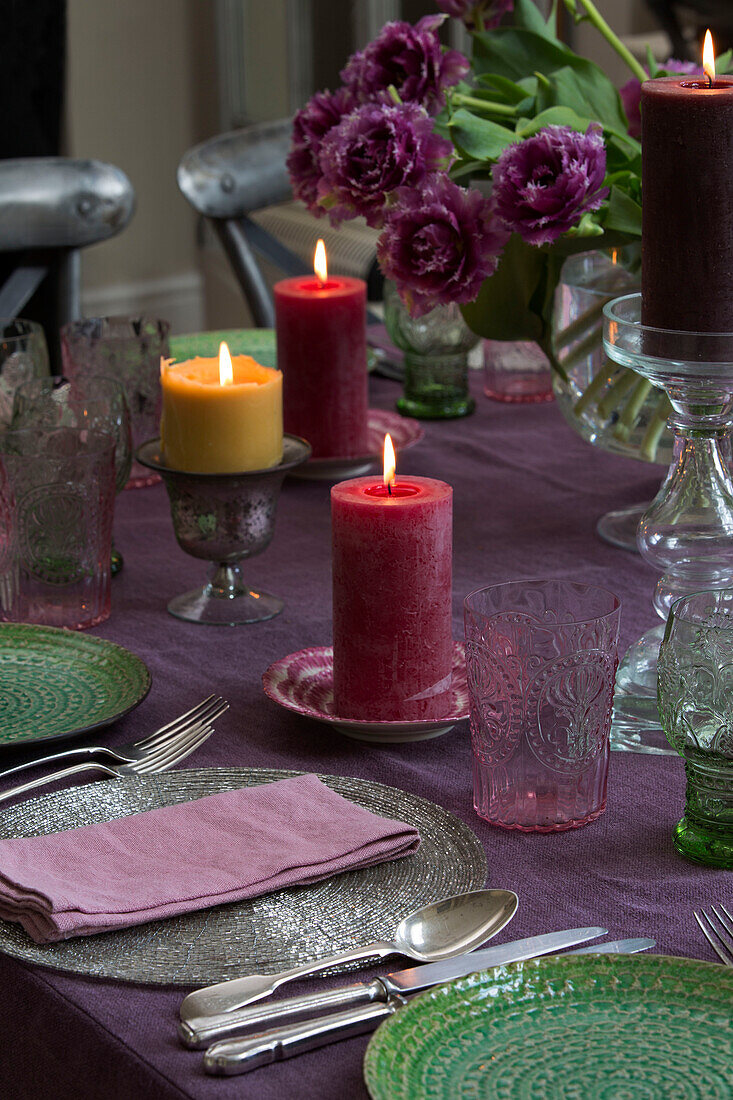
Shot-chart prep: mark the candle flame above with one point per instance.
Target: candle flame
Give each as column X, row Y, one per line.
column 708, row 57
column 226, row 371
column 389, row 461
column 320, row 265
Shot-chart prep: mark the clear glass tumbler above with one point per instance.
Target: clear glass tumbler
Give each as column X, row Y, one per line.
column 56, row 503
column 541, row 658
column 23, row 355
column 695, row 692
column 129, row 349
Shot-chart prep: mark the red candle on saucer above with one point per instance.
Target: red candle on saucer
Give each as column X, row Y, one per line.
column 392, row 574
column 687, row 208
column 320, row 324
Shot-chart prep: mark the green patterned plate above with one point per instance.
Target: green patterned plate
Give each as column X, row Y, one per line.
column 257, row 342
column 595, row 1027
column 57, row 683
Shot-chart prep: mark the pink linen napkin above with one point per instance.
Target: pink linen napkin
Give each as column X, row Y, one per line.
column 225, row 847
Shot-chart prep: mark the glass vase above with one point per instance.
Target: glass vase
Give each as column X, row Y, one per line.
column 436, row 348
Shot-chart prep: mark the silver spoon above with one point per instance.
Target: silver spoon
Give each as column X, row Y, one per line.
column 438, row 931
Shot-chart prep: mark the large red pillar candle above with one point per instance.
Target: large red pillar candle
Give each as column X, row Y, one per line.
column 392, row 570
column 320, row 324
column 687, row 203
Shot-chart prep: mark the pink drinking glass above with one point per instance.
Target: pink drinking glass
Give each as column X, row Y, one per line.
column 128, row 349
column 57, row 490
column 541, row 658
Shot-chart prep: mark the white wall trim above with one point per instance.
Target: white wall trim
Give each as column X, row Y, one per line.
column 175, row 298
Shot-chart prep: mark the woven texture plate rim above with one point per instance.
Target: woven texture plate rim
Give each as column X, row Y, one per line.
column 271, row 932
column 99, row 658
column 560, row 1027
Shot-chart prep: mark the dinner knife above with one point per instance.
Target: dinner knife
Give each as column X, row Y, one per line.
column 236, row 1056
column 200, row 1031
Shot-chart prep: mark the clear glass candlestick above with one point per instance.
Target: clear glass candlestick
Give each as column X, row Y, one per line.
column 225, row 518
column 687, row 531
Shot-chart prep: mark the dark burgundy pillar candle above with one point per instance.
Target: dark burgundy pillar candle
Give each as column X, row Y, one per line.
column 687, row 204
column 392, row 574
column 321, row 351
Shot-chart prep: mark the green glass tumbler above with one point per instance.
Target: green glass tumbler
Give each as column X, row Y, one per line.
column 695, row 695
column 436, row 348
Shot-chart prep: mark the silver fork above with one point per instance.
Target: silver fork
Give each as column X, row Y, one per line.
column 206, row 711
column 159, row 759
column 720, row 935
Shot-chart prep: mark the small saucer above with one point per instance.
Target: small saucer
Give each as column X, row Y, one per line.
column 404, row 431
column 303, row 682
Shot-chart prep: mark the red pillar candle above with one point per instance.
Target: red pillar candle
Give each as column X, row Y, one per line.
column 392, row 569
column 687, row 204
column 320, row 324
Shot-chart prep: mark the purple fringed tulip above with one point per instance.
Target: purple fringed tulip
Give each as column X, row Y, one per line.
column 477, row 14
column 311, row 124
column 372, row 152
column 439, row 244
column 544, row 184
column 631, row 92
column 412, row 60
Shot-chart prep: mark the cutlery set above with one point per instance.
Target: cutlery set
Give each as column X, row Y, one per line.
column 215, row 1018
column 162, row 750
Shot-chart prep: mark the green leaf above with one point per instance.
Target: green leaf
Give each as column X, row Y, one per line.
column 508, row 90
column 528, row 17
column 651, row 62
column 621, row 213
column 479, row 138
column 588, row 91
column 553, row 116
column 503, row 309
column 723, row 63
column 515, row 53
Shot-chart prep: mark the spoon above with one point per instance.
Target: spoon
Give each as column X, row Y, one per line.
column 446, row 928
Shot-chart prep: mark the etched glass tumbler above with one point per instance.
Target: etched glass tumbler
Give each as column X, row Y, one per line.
column 695, row 693
column 56, row 499
column 541, row 659
column 128, row 349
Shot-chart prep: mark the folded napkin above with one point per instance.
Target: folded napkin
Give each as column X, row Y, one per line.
column 225, row 847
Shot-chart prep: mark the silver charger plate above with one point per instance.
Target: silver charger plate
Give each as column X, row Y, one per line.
column 268, row 933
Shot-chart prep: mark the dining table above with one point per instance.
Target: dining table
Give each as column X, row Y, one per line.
column 528, row 491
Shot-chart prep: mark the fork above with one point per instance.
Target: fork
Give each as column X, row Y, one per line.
column 720, row 936
column 206, row 711
column 159, row 759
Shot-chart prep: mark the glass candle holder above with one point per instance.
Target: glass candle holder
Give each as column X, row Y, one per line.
column 686, row 533
column 225, row 518
column 518, row 372
column 436, row 348
column 695, row 692
column 541, row 659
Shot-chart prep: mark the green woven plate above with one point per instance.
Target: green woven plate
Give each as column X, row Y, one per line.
column 257, row 342
column 57, row 683
column 595, row 1027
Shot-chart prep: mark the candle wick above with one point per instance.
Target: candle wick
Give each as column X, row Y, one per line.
column 710, row 80
column 389, row 488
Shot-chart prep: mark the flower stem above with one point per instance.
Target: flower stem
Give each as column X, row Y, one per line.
column 655, row 427
column 597, row 384
column 627, row 420
column 486, row 105
column 616, row 393
column 595, row 17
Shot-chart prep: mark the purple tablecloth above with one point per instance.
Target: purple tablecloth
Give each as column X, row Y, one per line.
column 527, row 495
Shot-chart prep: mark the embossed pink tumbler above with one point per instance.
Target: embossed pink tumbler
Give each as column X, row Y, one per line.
column 541, row 662
column 392, row 636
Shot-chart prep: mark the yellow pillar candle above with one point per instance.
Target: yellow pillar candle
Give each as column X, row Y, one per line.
column 221, row 416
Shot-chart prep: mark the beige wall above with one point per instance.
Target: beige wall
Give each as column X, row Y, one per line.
column 141, row 90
